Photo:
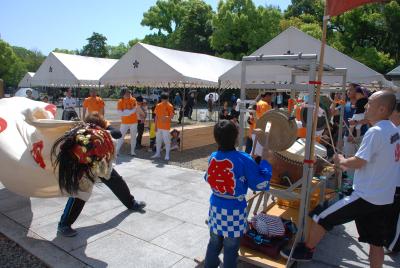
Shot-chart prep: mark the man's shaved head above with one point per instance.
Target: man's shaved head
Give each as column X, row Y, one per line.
column 387, row 99
column 380, row 106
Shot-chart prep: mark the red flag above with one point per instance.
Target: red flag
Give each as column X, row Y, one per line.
column 337, row 7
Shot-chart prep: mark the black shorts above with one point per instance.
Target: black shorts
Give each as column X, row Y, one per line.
column 368, row 218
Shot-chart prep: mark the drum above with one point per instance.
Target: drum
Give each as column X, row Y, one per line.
column 282, row 130
column 289, row 163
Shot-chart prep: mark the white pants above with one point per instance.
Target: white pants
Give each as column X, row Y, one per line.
column 133, row 130
column 163, row 135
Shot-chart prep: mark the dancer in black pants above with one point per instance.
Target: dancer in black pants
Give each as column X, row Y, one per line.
column 116, row 184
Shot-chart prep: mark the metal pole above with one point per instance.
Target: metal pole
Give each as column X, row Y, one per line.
column 242, row 106
column 308, row 169
column 79, row 103
column 341, row 121
column 183, row 116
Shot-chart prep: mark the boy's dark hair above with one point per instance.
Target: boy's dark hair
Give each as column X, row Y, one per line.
column 225, row 134
column 164, row 96
column 397, row 108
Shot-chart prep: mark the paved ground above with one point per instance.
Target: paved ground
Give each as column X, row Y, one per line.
column 170, row 234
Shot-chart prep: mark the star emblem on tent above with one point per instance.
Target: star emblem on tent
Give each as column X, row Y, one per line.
column 50, row 69
column 135, row 64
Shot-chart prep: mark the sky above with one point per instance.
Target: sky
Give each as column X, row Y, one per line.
column 48, row 24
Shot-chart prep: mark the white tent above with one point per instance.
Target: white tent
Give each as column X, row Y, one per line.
column 26, row 81
column 65, row 70
column 295, row 41
column 147, row 65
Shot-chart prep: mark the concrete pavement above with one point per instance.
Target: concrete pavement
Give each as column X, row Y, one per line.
column 170, row 234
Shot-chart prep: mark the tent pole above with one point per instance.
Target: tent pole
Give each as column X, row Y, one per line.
column 79, row 102
column 340, row 134
column 242, row 105
column 219, row 99
column 183, row 117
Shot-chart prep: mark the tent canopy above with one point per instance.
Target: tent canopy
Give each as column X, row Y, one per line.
column 147, row 65
column 26, row 81
column 295, row 41
column 395, row 73
column 65, row 70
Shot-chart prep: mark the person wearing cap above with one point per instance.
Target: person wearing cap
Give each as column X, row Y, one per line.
column 141, row 112
column 126, row 108
column 69, row 104
column 164, row 112
column 93, row 103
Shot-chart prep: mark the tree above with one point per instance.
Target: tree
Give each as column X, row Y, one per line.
column 133, row 42
column 313, row 29
column 240, row 28
column 371, row 32
column 195, row 30
column 96, row 47
column 116, row 52
column 315, row 8
column 181, row 24
column 66, row 51
column 32, row 59
column 12, row 68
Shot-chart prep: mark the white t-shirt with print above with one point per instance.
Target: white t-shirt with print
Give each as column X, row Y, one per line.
column 376, row 181
column 69, row 103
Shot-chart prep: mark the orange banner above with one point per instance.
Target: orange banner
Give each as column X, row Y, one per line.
column 337, row 7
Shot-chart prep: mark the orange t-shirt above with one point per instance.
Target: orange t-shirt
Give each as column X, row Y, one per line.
column 127, row 104
column 162, row 110
column 93, row 104
column 262, row 108
column 302, row 133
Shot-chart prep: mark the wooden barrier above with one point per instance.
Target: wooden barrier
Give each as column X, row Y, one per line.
column 194, row 136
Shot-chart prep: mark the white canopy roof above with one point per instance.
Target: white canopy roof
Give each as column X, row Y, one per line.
column 295, row 41
column 65, row 70
column 147, row 65
column 26, row 81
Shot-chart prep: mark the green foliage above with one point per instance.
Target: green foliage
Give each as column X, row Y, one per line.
column 116, row 52
column 133, row 42
column 239, row 27
column 66, row 51
column 31, row 58
column 96, row 47
column 180, row 24
column 371, row 34
column 12, row 69
column 374, row 59
column 313, row 8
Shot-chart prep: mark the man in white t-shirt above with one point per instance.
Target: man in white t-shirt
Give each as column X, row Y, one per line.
column 377, row 171
column 393, row 216
column 69, row 104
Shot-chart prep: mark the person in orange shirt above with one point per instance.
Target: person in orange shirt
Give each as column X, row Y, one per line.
column 126, row 108
column 264, row 105
column 93, row 104
column 164, row 112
